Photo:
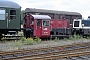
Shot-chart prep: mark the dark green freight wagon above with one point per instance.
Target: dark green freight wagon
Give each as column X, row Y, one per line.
column 10, row 17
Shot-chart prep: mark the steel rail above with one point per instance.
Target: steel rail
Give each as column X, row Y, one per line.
column 41, row 53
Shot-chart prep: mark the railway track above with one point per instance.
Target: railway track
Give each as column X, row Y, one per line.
column 55, row 52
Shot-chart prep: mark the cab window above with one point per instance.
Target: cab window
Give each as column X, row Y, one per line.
column 2, row 14
column 46, row 23
column 12, row 14
column 38, row 22
column 76, row 23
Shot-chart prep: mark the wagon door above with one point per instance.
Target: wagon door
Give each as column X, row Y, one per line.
column 46, row 28
column 14, row 19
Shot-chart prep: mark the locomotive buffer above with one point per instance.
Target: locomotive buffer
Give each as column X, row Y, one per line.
column 13, row 35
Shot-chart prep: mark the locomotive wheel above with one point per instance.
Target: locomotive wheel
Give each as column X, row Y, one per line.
column 27, row 34
column 24, row 33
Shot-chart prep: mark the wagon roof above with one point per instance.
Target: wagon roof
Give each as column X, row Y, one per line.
column 9, row 4
column 41, row 17
column 50, row 11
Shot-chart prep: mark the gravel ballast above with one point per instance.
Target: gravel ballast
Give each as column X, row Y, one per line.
column 9, row 47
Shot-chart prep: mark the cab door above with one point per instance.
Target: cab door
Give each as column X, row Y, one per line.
column 45, row 28
column 38, row 29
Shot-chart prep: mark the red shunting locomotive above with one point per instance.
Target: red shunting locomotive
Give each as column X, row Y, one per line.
column 44, row 27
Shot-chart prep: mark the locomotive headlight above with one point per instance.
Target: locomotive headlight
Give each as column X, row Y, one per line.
column 71, row 25
column 82, row 25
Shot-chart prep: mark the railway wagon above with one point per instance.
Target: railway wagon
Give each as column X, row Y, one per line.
column 44, row 27
column 55, row 14
column 10, row 17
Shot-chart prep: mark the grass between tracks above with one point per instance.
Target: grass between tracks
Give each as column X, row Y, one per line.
column 37, row 40
column 18, row 44
column 74, row 37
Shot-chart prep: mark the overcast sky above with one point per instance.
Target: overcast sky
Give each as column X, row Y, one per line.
column 81, row 6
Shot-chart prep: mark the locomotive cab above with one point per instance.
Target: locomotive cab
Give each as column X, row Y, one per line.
column 42, row 28
column 81, row 26
column 37, row 25
column 77, row 24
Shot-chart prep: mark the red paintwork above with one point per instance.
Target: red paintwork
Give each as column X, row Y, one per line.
column 27, row 23
column 58, row 23
column 46, row 31
column 37, row 29
column 41, row 31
